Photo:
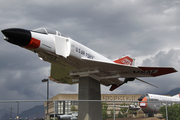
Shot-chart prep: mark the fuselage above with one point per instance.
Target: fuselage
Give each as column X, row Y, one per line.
column 150, row 103
column 55, row 43
column 52, row 42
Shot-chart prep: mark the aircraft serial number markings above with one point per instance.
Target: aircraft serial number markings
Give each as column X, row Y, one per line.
column 82, row 52
column 146, row 72
column 126, row 62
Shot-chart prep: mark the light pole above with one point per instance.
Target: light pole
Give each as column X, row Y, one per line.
column 47, row 80
column 17, row 117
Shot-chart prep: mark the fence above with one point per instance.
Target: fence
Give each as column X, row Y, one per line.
column 56, row 109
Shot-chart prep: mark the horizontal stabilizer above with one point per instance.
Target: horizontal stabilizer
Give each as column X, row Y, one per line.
column 157, row 71
column 113, row 87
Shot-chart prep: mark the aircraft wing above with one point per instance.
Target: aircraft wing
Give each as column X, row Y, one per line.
column 129, row 71
column 107, row 73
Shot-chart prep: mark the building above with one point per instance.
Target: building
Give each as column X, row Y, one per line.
column 66, row 103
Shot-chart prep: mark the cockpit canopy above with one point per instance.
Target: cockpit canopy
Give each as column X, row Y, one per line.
column 144, row 95
column 48, row 31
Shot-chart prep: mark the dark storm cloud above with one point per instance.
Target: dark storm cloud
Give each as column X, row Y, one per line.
column 146, row 30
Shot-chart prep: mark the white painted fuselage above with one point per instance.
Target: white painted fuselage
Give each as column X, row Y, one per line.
column 66, row 47
column 151, row 103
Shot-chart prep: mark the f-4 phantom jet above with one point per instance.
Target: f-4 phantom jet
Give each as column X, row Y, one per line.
column 71, row 60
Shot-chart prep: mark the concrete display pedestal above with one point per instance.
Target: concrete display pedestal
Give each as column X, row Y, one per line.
column 89, row 89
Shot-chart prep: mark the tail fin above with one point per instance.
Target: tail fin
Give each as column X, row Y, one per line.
column 178, row 95
column 125, row 61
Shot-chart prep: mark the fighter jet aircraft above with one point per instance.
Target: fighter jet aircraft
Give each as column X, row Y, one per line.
column 71, row 60
column 150, row 103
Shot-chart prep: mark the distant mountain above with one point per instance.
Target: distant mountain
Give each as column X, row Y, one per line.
column 5, row 114
column 173, row 92
column 35, row 112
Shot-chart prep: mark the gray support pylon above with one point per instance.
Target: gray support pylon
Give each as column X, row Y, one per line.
column 89, row 89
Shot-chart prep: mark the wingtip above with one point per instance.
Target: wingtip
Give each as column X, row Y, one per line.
column 158, row 71
column 113, row 87
column 174, row 70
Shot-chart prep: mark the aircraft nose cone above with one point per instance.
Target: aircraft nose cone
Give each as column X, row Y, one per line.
column 17, row 36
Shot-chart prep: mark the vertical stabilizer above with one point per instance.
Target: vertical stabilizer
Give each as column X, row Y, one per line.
column 125, row 61
column 178, row 95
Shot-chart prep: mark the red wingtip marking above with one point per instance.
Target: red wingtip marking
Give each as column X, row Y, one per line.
column 34, row 43
column 113, row 87
column 124, row 60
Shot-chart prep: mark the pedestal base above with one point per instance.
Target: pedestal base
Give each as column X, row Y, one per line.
column 89, row 89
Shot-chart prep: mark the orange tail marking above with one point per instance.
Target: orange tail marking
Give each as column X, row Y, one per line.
column 124, row 60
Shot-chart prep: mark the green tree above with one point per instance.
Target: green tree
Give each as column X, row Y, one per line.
column 104, row 110
column 173, row 111
column 112, row 114
column 73, row 108
column 120, row 115
column 123, row 111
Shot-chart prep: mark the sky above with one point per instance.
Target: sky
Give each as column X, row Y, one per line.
column 148, row 31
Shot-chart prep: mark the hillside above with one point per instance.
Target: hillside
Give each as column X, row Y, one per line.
column 5, row 114
column 35, row 112
column 174, row 91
